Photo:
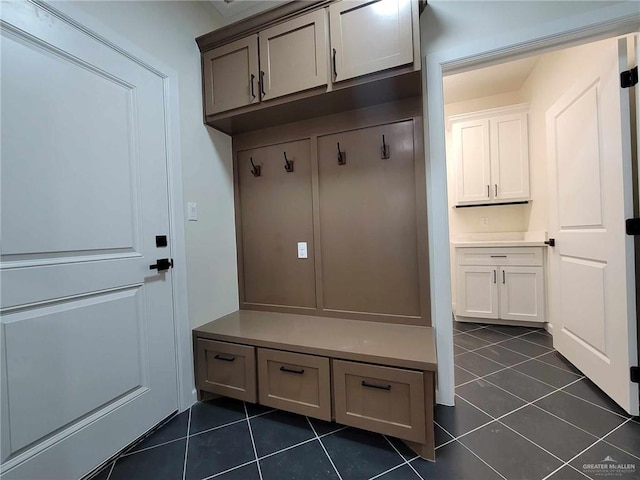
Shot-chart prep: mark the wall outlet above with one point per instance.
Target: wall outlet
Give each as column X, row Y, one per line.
column 302, row 250
column 484, row 221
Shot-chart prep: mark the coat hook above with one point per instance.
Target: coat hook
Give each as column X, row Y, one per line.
column 386, row 149
column 288, row 164
column 255, row 171
column 341, row 156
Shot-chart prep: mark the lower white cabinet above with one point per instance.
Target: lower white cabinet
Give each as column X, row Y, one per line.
column 501, row 283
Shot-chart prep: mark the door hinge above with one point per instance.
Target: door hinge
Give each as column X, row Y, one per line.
column 629, row 78
column 632, row 226
column 635, row 374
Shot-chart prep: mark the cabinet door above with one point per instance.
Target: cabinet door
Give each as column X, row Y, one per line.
column 293, row 55
column 369, row 36
column 368, row 221
column 231, row 75
column 522, row 294
column 276, row 214
column 473, row 162
column 478, row 291
column 510, row 157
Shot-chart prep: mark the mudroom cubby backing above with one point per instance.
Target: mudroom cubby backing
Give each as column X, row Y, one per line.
column 350, row 188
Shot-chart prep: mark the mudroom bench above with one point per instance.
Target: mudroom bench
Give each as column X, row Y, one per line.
column 370, row 375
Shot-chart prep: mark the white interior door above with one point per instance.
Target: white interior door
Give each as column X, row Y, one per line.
column 592, row 285
column 88, row 345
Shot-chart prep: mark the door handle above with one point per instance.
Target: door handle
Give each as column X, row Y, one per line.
column 504, row 280
column 496, row 189
column 291, row 370
column 551, row 242
column 495, row 276
column 373, row 385
column 488, row 191
column 335, row 72
column 229, row 358
column 162, row 264
column 253, row 93
column 262, row 83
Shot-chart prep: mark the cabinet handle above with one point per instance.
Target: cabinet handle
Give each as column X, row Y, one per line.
column 496, row 189
column 372, row 385
column 488, row 191
column 253, row 93
column 495, row 276
column 291, row 370
column 498, row 256
column 229, row 358
column 335, row 71
column 261, row 82
column 504, row 280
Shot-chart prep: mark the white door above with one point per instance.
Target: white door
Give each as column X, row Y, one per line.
column 521, row 293
column 510, row 157
column 472, row 159
column 478, row 291
column 88, row 346
column 592, row 284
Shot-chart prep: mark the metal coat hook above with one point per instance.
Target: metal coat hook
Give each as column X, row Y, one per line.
column 342, row 156
column 386, row 149
column 288, row 164
column 255, row 170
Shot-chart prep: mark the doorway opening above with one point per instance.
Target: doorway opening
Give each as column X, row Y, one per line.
column 539, row 185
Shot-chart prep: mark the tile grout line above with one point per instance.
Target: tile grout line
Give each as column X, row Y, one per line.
column 601, row 439
column 253, row 443
column 229, row 469
column 323, row 447
column 186, row 448
column 405, row 462
column 516, row 337
column 152, row 447
column 113, row 464
column 404, row 459
column 482, row 460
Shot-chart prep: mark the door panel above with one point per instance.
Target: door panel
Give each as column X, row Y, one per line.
column 88, row 359
column 592, row 285
column 293, row 55
column 369, row 36
column 522, row 293
column 510, row 157
column 231, row 76
column 473, row 162
column 478, row 291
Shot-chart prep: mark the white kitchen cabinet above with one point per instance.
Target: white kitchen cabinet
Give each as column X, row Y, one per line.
column 370, row 36
column 501, row 283
column 491, row 154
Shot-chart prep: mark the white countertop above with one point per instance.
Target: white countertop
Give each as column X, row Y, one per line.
column 502, row 239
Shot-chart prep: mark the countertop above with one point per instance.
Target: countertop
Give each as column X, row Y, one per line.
column 500, row 239
column 499, row 243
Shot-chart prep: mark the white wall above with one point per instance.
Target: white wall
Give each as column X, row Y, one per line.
column 167, row 31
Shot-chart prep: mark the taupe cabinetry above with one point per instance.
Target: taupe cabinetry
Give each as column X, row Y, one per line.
column 370, row 36
column 230, row 75
column 491, row 152
column 275, row 215
column 382, row 375
column 293, row 55
column 505, row 283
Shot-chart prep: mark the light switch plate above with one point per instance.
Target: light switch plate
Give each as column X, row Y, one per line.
column 192, row 211
column 302, row 249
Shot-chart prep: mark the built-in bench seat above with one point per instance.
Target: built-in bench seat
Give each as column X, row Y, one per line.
column 371, row 375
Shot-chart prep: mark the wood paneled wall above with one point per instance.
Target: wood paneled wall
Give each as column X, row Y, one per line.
column 364, row 222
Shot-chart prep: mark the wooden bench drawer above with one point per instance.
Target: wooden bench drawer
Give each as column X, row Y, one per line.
column 295, row 382
column 381, row 399
column 227, row 369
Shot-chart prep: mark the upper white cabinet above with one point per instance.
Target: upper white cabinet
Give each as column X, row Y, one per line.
column 370, row 36
column 491, row 154
column 230, row 75
column 293, row 55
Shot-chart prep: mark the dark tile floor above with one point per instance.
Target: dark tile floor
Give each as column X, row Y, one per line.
column 522, row 413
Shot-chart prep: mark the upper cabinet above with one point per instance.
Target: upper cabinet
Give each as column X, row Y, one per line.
column 491, row 154
column 293, row 55
column 370, row 36
column 230, row 75
column 306, row 59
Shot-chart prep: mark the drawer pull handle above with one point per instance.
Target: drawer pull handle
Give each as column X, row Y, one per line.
column 498, row 256
column 291, row 370
column 229, row 358
column 379, row 387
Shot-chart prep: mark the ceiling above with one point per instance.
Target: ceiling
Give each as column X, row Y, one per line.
column 234, row 10
column 484, row 82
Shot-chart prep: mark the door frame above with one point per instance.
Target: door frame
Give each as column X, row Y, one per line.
column 618, row 19
column 91, row 26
